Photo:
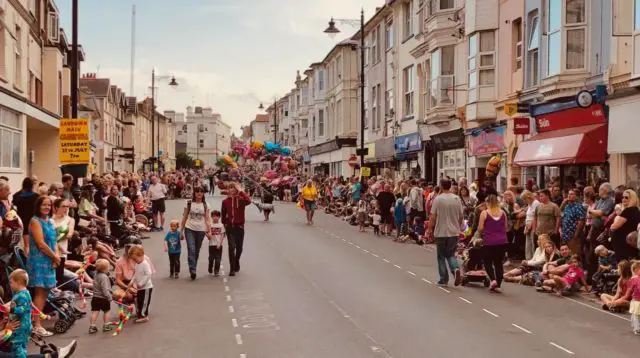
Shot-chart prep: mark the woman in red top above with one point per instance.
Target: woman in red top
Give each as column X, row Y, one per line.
column 620, row 301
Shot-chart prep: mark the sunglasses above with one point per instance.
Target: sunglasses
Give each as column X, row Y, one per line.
column 625, row 197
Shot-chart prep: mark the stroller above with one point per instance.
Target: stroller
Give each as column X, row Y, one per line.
column 472, row 267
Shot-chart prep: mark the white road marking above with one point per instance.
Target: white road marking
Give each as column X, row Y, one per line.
column 561, row 348
column 228, row 298
column 465, row 300
column 444, row 289
column 522, row 328
column 350, row 243
column 239, row 339
column 397, row 266
column 375, row 255
column 234, row 323
column 427, row 281
column 367, row 251
column 357, row 247
column 598, row 309
column 243, row 355
column 491, row 313
column 411, row 273
column 226, row 288
column 344, row 240
column 224, row 279
column 385, row 260
column 231, row 309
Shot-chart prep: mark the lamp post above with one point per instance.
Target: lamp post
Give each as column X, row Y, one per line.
column 200, row 129
column 275, row 118
column 332, row 31
column 173, row 84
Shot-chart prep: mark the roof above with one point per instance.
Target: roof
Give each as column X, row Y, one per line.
column 262, row 118
column 346, row 42
column 99, row 87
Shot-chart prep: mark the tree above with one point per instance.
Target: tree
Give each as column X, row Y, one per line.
column 184, row 161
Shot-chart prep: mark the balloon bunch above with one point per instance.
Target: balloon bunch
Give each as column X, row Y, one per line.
column 81, row 272
column 37, row 312
column 124, row 315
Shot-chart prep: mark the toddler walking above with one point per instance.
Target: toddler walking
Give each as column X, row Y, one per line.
column 173, row 248
column 20, row 310
column 216, row 237
column 101, row 301
column 375, row 222
column 141, row 283
column 634, row 292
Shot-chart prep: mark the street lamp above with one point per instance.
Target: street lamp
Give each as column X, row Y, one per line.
column 275, row 118
column 332, row 31
column 173, row 83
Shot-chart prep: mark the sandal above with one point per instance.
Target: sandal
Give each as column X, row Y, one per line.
column 41, row 332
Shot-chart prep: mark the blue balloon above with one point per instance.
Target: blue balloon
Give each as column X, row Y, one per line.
column 272, row 147
column 286, row 151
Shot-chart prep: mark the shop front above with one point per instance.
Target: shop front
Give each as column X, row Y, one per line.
column 331, row 158
column 623, row 143
column 483, row 143
column 570, row 146
column 407, row 150
column 449, row 150
column 370, row 158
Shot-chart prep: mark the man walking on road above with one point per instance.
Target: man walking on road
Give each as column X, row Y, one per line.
column 233, row 219
column 446, row 218
column 157, row 193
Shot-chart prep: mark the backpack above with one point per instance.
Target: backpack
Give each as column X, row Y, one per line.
column 204, row 202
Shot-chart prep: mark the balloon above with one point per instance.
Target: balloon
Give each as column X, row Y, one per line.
column 271, row 147
column 227, row 159
column 270, row 174
column 286, row 151
column 275, row 182
column 493, row 166
column 292, row 164
column 257, row 145
column 234, row 173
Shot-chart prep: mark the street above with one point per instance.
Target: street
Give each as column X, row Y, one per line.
column 329, row 291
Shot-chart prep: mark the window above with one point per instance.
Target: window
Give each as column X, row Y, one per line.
column 184, row 128
column 375, row 46
column 442, row 69
column 636, row 15
column 305, row 96
column 10, row 139
column 439, row 5
column 532, row 48
column 389, row 35
column 388, row 102
column 53, row 27
column 408, row 20
column 517, row 41
column 481, row 59
column 554, row 27
column 339, row 67
column 18, row 57
column 451, row 163
column 575, row 23
column 320, row 123
column 3, row 36
column 374, row 108
column 201, row 143
column 305, row 123
column 321, row 80
column 407, row 83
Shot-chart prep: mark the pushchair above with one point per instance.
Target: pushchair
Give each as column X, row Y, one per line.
column 472, row 267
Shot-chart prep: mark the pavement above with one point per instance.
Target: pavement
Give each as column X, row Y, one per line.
column 329, row 291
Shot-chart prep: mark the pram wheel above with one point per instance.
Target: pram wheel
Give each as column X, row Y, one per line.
column 487, row 282
column 465, row 281
column 48, row 348
column 61, row 326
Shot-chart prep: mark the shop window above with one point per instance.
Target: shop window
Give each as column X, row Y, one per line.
column 451, row 163
column 10, row 139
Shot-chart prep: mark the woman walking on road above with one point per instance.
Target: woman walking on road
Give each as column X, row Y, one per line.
column 309, row 197
column 195, row 225
column 493, row 230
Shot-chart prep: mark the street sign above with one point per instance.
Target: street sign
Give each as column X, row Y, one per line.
column 362, row 151
column 365, row 171
column 521, row 125
column 510, row 109
column 74, row 147
column 198, row 163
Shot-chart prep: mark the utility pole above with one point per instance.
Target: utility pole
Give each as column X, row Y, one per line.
column 275, row 120
column 74, row 59
column 153, row 115
column 362, row 89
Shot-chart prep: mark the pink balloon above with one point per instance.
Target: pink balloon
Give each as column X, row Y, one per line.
column 270, row 174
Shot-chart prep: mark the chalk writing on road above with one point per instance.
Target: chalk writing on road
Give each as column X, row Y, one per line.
column 254, row 314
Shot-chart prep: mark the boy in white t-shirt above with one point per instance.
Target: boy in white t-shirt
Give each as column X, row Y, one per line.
column 375, row 222
column 216, row 237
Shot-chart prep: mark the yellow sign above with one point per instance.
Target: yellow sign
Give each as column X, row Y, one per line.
column 510, row 109
column 198, row 163
column 365, row 171
column 155, row 165
column 74, row 141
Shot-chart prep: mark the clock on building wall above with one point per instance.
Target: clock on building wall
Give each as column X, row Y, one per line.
column 584, row 99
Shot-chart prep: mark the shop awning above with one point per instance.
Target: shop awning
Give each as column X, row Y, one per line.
column 578, row 145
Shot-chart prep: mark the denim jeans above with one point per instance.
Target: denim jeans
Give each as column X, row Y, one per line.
column 194, row 243
column 235, row 237
column 446, row 253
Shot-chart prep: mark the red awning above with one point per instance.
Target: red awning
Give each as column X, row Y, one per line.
column 578, row 145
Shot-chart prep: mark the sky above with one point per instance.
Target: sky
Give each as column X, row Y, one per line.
column 227, row 54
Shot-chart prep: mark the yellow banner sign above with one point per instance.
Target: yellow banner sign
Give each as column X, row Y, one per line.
column 365, row 171
column 510, row 109
column 74, row 141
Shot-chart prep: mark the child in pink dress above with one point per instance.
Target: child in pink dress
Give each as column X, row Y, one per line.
column 634, row 292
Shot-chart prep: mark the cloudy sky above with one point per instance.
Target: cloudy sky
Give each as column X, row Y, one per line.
column 228, row 54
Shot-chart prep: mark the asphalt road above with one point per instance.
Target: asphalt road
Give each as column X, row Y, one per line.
column 329, row 291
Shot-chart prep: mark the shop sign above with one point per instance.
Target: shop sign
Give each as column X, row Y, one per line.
column 569, row 118
column 448, row 140
column 408, row 143
column 365, row 171
column 74, row 141
column 385, row 149
column 371, row 147
column 521, row 125
column 487, row 141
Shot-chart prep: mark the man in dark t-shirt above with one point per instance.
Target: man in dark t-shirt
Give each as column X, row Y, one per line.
column 386, row 201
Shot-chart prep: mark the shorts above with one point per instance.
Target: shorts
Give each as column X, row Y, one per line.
column 157, row 206
column 100, row 304
column 386, row 217
column 362, row 218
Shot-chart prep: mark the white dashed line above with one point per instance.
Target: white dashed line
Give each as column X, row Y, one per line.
column 465, row 300
column 344, row 240
column 561, row 348
column 367, row 251
column 357, row 247
column 397, row 266
column 427, row 281
column 522, row 328
column 444, row 289
column 350, row 243
column 385, row 260
column 226, row 288
column 224, row 279
column 234, row 323
column 411, row 273
column 239, row 339
column 375, row 255
column 231, row 309
column 228, row 298
column 598, row 309
column 491, row 313
column 243, row 356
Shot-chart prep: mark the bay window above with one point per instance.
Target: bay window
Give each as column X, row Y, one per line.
column 481, row 59
column 442, row 70
column 407, row 14
column 636, row 15
column 389, row 35
column 10, row 139
column 374, row 107
column 388, row 101
column 408, row 86
column 554, row 36
column 440, row 5
column 576, row 27
column 533, row 52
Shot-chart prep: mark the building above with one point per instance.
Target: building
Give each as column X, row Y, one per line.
column 206, row 135
column 33, row 83
column 259, row 128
